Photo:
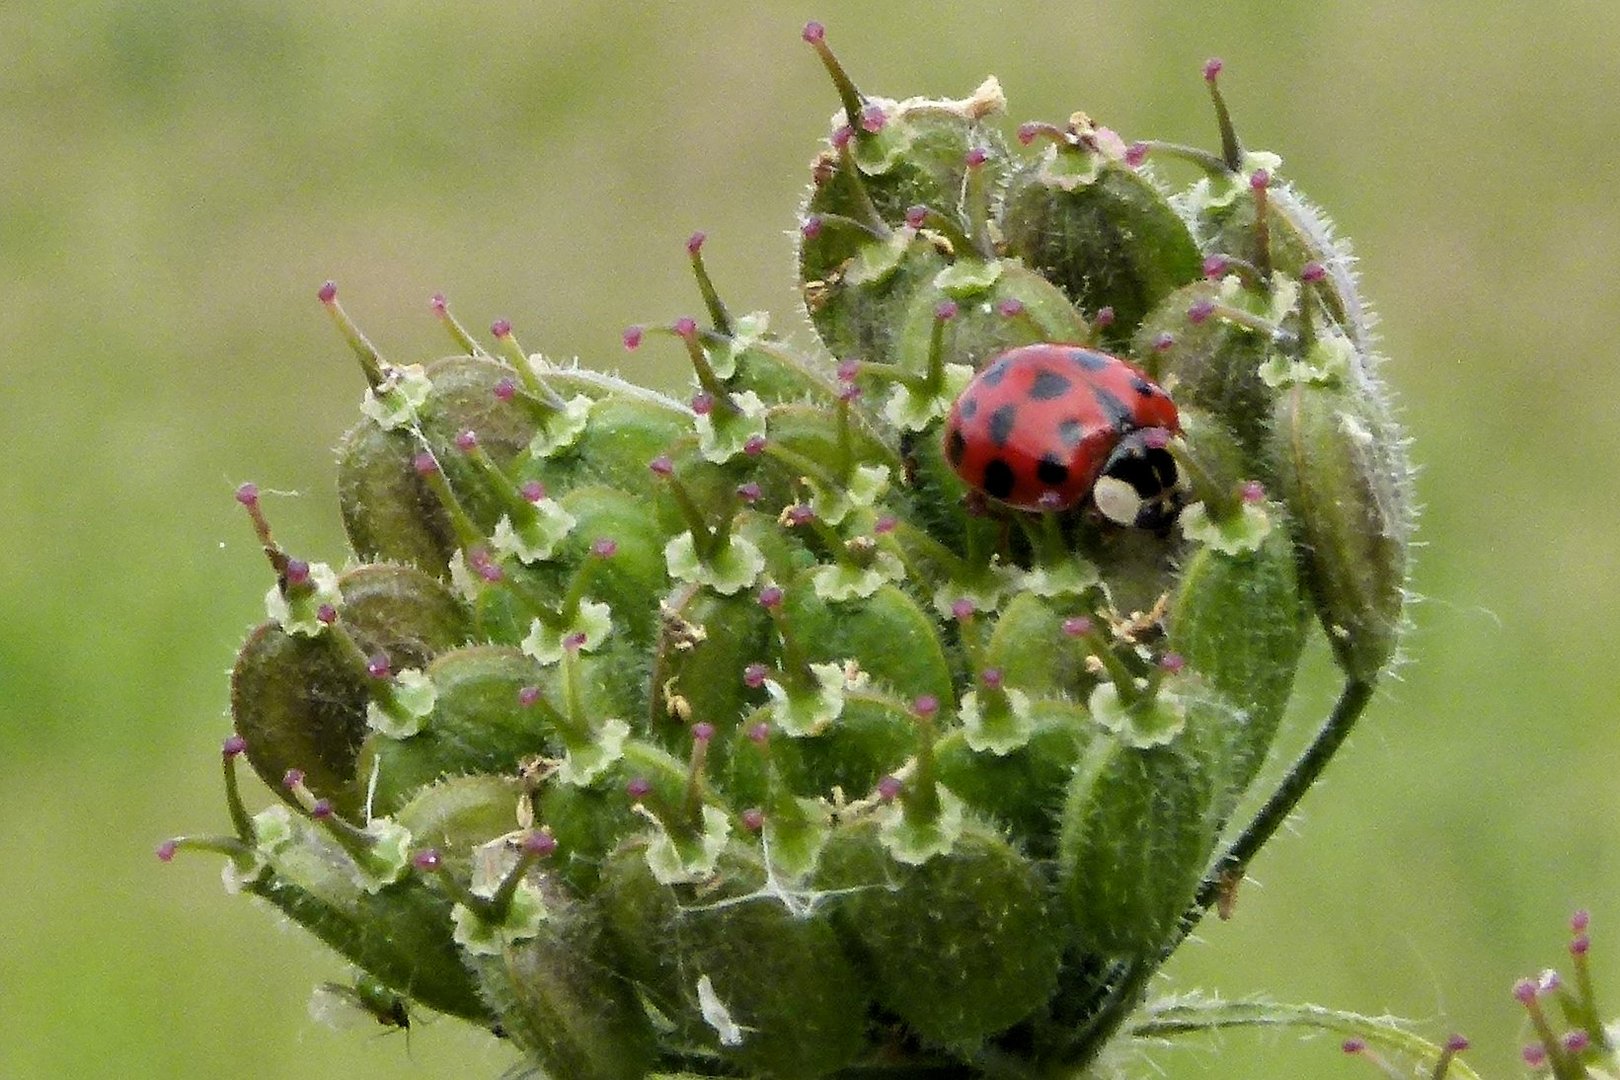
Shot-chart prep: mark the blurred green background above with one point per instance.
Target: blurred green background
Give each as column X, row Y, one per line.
column 176, row 179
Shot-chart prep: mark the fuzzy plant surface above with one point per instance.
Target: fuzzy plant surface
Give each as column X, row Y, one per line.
column 875, row 709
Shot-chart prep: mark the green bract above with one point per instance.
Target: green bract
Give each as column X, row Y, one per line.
column 738, row 736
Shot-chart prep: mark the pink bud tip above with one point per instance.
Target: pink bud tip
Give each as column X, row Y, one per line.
column 1579, row 921
column 489, row 570
column 702, row 732
column 501, row 328
column 849, row 370
column 532, row 491
column 166, row 850
column 1534, row 1055
column 1580, row 946
column 962, row 609
column 321, row 810
column 976, row 157
column 1354, row 1046
column 811, row 227
column 760, row 733
column 425, row 464
column 574, row 642
column 755, row 445
column 694, row 243
column 1077, row 626
column 326, row 614
column 1549, row 981
column 1212, row 68
column 1312, row 272
column 885, row 524
column 686, row 326
column 328, row 292
column 888, row 788
column 1216, row 266
column 1135, row 154
column 1027, row 133
column 528, row 695
column 293, row 778
column 849, row 392
column 925, row 705
column 1155, row 438
column 1171, row 663
column 749, row 492
column 438, row 303
column 661, row 465
column 841, row 136
column 991, row 677
column 467, row 441
column 945, row 310
column 873, row 119
column 1577, row 1041
column 427, row 860
column 814, row 32
column 753, row 819
column 1457, row 1044
column 378, row 667
column 233, row 745
column 800, row 515
column 1164, row 342
column 632, row 337
column 1050, row 501
column 247, row 494
column 1252, row 492
column 1200, row 310
column 1010, row 308
column 539, row 842
column 1260, row 179
column 605, row 547
column 703, row 403
column 505, row 390
column 754, row 676
column 297, row 571
column 916, row 215
column 1525, row 991
column 770, row 597
column 1104, row 318
column 638, row 788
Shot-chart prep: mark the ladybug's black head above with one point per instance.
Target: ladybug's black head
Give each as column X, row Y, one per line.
column 1140, row 485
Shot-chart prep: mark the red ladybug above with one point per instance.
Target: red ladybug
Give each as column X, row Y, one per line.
column 1042, row 427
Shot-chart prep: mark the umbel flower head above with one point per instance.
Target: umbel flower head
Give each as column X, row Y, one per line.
column 874, row 709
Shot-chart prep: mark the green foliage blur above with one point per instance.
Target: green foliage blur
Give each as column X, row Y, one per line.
column 176, row 180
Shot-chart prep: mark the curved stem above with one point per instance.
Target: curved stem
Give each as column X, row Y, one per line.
column 1125, row 989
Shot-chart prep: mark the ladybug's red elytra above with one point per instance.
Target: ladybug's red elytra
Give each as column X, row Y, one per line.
column 1044, row 427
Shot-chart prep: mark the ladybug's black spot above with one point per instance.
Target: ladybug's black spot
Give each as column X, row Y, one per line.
column 1088, row 360
column 1049, row 385
column 968, row 408
column 992, row 375
column 1001, row 424
column 1072, row 432
column 999, row 479
column 1142, row 386
column 1118, row 413
column 955, row 446
column 1051, row 471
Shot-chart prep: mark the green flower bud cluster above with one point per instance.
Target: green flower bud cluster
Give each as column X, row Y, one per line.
column 738, row 735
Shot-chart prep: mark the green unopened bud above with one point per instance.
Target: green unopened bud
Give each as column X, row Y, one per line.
column 1342, row 468
column 1098, row 228
column 960, row 947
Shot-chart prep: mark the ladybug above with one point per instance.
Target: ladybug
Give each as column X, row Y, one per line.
column 1044, row 427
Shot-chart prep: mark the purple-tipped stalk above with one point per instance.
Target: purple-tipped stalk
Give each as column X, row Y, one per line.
column 711, row 298
column 1231, row 149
